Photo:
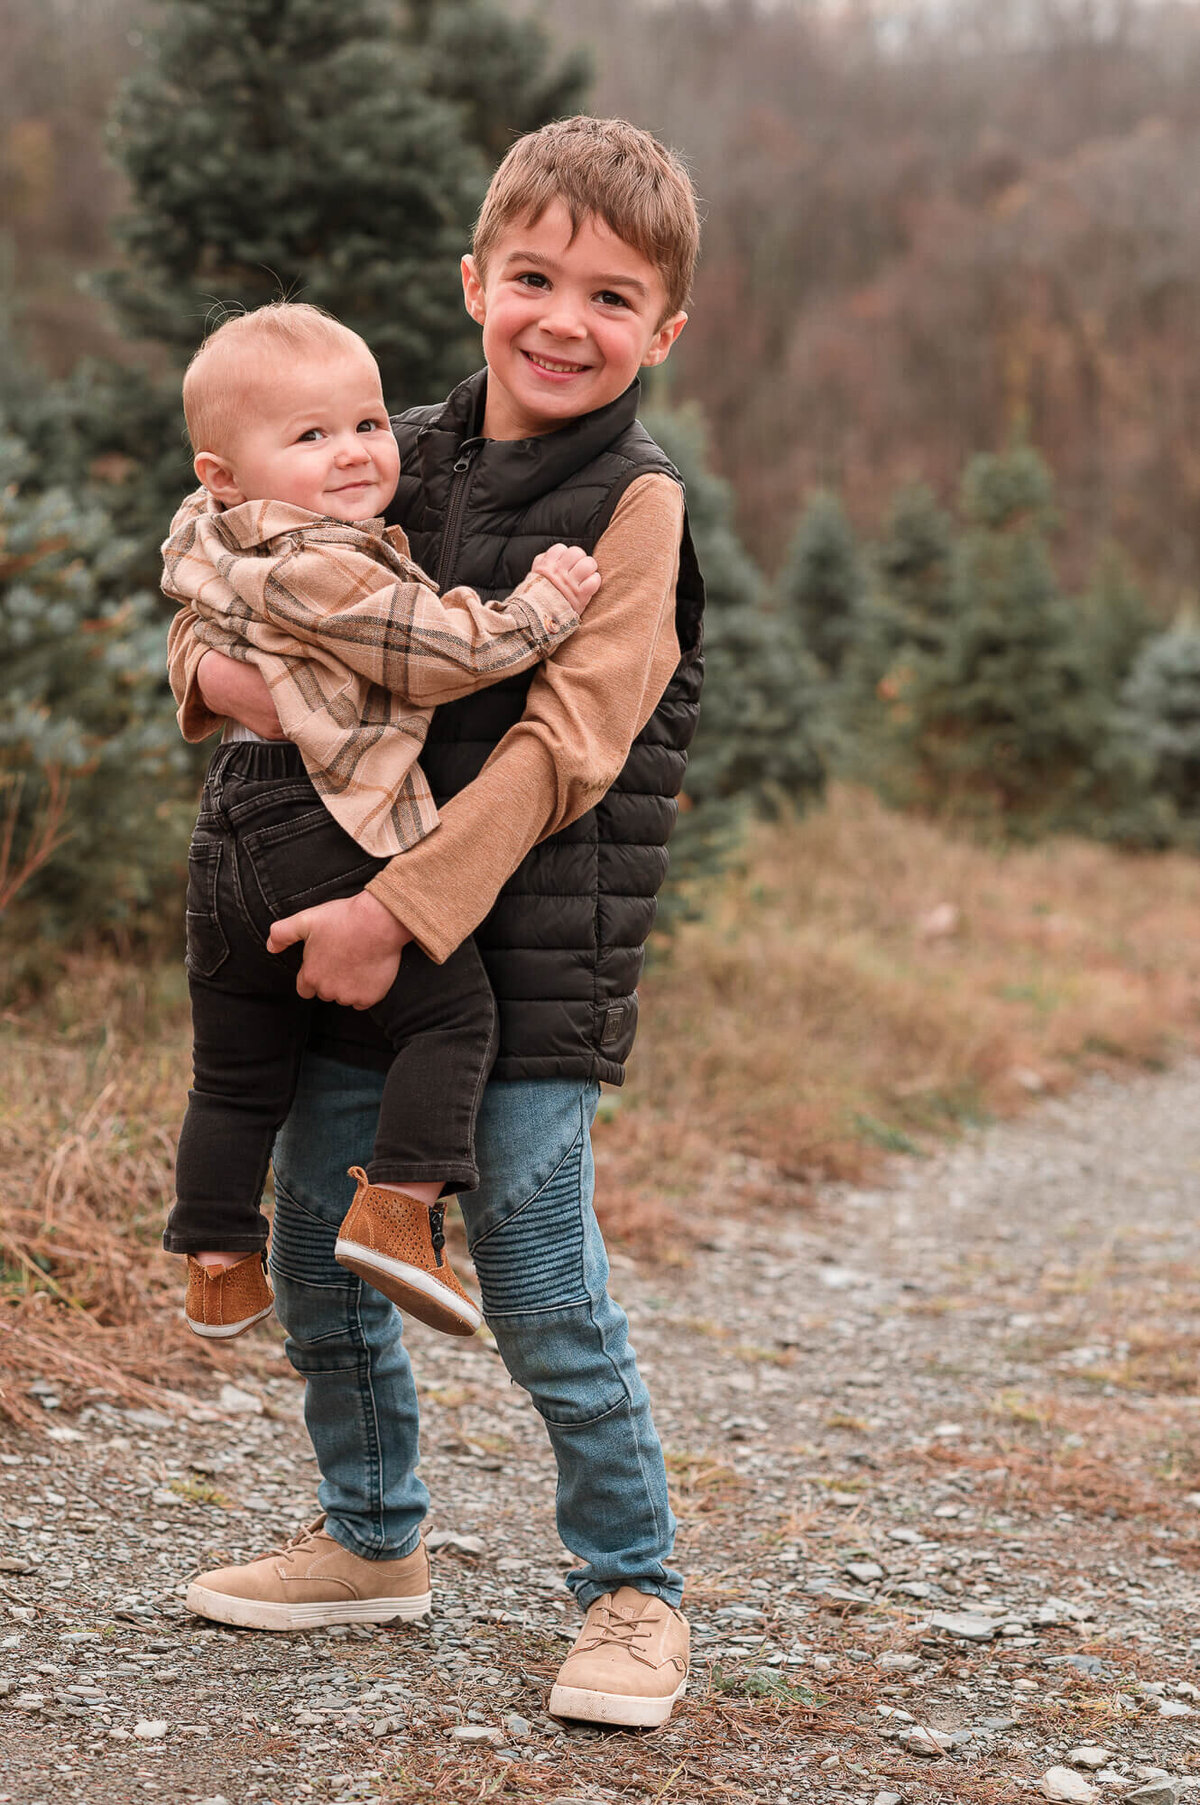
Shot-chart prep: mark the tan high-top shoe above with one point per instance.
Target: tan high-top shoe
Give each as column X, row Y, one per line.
column 629, row 1663
column 396, row 1244
column 225, row 1303
column 310, row 1581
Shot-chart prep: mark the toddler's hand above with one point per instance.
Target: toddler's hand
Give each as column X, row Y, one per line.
column 573, row 573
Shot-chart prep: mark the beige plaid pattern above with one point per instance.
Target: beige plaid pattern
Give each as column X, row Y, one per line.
column 355, row 644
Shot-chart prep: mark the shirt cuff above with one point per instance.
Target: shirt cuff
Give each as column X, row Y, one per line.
column 430, row 929
column 546, row 609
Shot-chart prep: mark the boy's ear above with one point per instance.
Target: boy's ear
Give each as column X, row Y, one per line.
column 217, row 476
column 663, row 339
column 474, row 298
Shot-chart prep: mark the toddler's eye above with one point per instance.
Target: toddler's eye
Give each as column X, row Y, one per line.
column 310, row 435
column 369, row 426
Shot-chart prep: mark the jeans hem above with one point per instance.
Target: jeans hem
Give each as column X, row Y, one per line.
column 214, row 1243
column 587, row 1595
column 399, row 1172
column 345, row 1539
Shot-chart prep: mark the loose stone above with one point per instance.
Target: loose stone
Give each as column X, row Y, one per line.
column 1064, row 1784
column 1089, row 1755
column 964, row 1625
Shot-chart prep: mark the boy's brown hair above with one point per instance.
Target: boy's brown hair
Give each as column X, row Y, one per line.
column 218, row 382
column 600, row 169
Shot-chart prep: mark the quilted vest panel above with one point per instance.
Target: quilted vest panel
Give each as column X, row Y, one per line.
column 564, row 944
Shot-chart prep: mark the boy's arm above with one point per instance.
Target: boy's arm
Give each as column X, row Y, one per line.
column 400, row 633
column 184, row 652
column 584, row 710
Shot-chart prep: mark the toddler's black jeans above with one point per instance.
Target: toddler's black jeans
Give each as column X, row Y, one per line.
column 265, row 847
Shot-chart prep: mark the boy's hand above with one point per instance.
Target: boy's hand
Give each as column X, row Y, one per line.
column 239, row 692
column 573, row 573
column 352, row 949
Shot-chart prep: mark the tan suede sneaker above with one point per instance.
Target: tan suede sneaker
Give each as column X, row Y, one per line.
column 220, row 1305
column 310, row 1581
column 629, row 1663
column 397, row 1245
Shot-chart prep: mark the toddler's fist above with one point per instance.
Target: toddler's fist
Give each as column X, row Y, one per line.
column 574, row 574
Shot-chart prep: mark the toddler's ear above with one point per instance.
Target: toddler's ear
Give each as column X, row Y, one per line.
column 218, row 478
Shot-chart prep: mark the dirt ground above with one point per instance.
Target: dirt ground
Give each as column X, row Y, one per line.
column 934, row 1454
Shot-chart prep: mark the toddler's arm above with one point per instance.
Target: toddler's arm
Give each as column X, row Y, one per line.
column 233, row 689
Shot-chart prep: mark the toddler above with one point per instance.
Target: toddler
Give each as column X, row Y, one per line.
column 283, row 555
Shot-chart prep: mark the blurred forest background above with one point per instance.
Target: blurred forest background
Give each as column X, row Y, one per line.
column 938, row 404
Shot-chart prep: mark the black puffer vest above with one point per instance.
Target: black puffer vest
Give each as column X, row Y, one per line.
column 564, row 944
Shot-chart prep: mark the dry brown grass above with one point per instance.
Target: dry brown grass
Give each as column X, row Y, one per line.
column 867, row 981
column 91, row 1081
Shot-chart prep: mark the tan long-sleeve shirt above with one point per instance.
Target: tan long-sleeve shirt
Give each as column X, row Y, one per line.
column 584, row 709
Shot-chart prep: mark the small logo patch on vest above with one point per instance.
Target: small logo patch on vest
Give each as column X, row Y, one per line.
column 615, row 1018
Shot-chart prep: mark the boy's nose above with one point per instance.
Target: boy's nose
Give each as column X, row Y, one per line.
column 563, row 321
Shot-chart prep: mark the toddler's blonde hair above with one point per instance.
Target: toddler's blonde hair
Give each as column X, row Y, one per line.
column 218, row 384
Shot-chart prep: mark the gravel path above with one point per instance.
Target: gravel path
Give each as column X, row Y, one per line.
column 935, row 1458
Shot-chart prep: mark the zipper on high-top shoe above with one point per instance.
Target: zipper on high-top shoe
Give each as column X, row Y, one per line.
column 437, row 1221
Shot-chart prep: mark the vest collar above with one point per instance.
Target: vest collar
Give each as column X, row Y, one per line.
column 518, row 470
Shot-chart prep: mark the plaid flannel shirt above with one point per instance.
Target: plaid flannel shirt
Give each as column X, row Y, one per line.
column 355, row 644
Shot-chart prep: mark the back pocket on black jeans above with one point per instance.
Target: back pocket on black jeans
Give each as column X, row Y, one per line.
column 207, row 947
column 305, row 861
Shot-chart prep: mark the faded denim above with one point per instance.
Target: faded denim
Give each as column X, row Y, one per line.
column 543, row 1273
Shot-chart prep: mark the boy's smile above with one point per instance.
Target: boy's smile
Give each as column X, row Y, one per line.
column 567, row 322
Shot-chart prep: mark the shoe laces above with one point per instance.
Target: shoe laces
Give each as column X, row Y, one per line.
column 614, row 1630
column 295, row 1542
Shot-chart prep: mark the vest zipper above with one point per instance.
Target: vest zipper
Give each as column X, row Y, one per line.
column 455, row 508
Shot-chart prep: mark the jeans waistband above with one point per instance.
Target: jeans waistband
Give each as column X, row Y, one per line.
column 257, row 761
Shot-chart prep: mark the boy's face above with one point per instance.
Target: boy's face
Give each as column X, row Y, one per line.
column 317, row 436
column 567, row 322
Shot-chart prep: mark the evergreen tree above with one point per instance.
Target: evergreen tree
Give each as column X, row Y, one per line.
column 290, row 145
column 759, row 746
column 493, row 68
column 1162, row 717
column 905, row 613
column 821, row 583
column 84, row 702
column 912, row 598
column 1007, row 718
column 1117, row 621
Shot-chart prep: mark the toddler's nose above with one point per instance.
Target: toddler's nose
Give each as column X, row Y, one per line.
column 352, row 450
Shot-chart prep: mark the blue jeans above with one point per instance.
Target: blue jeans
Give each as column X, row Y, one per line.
column 543, row 1273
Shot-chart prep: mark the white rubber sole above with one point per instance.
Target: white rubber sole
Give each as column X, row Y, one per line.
column 412, row 1278
column 257, row 1614
column 225, row 1331
column 613, row 1708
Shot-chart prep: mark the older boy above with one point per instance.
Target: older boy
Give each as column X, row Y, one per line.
column 556, row 800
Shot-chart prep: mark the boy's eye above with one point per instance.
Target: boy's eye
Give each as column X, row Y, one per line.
column 533, row 279
column 609, row 299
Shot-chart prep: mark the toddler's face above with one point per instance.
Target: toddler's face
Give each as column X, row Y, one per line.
column 318, row 438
